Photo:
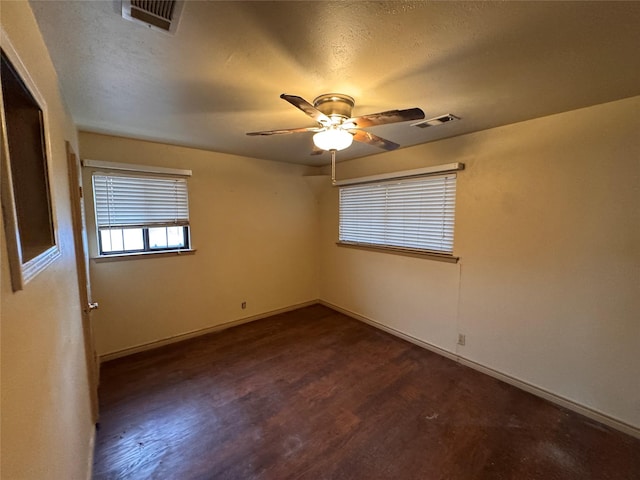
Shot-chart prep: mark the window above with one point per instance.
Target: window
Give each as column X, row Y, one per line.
column 415, row 214
column 26, row 198
column 138, row 214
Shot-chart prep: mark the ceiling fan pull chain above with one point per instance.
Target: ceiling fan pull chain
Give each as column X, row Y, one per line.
column 333, row 167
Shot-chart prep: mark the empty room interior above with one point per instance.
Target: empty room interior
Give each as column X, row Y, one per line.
column 320, row 240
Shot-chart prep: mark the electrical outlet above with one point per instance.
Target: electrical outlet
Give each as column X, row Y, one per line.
column 462, row 339
column 243, row 305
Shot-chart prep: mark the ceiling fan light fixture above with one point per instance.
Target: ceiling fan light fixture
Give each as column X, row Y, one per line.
column 333, row 139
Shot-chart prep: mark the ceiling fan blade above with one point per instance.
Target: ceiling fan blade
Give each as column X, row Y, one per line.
column 391, row 116
column 371, row 139
column 286, row 130
column 307, row 108
column 317, row 151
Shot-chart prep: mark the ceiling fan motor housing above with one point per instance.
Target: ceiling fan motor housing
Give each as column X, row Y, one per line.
column 335, row 105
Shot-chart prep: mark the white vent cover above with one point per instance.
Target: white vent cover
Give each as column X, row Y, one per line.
column 160, row 15
column 432, row 122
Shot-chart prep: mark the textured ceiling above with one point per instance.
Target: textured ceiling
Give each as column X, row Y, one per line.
column 220, row 75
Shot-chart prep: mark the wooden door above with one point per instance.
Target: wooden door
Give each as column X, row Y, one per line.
column 84, row 281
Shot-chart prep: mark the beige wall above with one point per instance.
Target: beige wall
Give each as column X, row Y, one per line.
column 46, row 421
column 548, row 231
column 254, row 224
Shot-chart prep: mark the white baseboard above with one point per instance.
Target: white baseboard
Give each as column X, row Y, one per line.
column 516, row 382
column 196, row 333
column 393, row 331
column 554, row 398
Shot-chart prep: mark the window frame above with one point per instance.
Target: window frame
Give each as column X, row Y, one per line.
column 395, row 178
column 24, row 270
column 94, row 168
column 147, row 248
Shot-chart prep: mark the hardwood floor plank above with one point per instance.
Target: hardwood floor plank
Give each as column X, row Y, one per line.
column 314, row 394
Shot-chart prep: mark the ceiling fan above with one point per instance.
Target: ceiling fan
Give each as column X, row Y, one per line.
column 337, row 128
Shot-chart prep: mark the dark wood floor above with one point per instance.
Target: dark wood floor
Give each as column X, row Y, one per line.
column 313, row 394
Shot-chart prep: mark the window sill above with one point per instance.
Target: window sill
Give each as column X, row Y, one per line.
column 411, row 252
column 140, row 255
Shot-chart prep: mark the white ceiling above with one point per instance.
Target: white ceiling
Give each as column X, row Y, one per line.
column 220, row 75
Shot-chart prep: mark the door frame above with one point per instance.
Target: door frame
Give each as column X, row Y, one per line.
column 84, row 280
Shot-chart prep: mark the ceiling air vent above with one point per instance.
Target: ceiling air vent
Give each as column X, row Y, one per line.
column 432, row 122
column 157, row 14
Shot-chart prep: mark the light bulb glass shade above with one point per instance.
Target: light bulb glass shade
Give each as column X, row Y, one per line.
column 333, row 139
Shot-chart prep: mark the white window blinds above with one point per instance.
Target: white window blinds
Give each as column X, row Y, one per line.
column 137, row 201
column 415, row 213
